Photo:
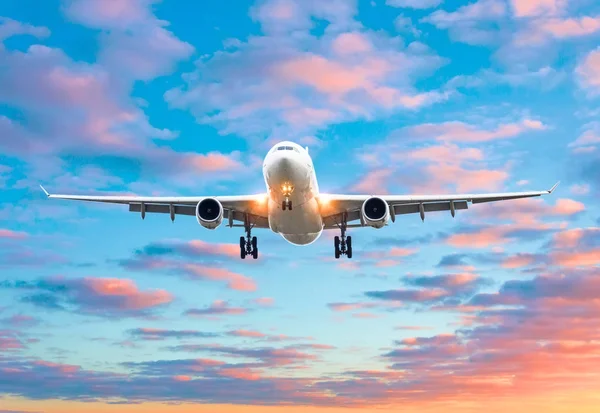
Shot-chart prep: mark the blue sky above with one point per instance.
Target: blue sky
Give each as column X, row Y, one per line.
column 156, row 98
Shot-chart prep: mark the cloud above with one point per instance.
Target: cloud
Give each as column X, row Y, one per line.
column 272, row 86
column 10, row 234
column 530, row 8
column 216, row 309
column 153, row 334
column 20, row 320
column 10, row 28
column 103, row 297
column 474, row 23
column 196, row 259
column 576, row 238
column 267, row 356
column 414, row 4
column 588, row 72
column 461, row 132
column 135, row 42
column 437, row 289
column 9, row 341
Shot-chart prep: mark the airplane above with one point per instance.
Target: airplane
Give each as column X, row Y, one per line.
column 293, row 206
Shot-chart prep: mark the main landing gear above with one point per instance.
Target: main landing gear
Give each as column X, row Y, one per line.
column 248, row 244
column 343, row 244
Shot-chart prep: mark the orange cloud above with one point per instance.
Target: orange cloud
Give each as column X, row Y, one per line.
column 576, row 259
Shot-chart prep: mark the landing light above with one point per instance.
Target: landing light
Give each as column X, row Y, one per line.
column 287, row 189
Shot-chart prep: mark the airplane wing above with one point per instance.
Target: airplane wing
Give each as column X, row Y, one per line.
column 334, row 206
column 235, row 207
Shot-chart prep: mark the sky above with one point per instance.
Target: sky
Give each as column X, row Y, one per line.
column 498, row 308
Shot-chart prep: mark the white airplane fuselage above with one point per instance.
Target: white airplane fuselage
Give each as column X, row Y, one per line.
column 289, row 165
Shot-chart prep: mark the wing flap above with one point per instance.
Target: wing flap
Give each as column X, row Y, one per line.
column 164, row 209
column 431, row 207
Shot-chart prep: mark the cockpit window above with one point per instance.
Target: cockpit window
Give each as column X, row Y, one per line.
column 286, row 148
column 281, row 148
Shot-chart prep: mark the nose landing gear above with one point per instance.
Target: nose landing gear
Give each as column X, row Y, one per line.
column 343, row 244
column 286, row 190
column 248, row 244
column 287, row 204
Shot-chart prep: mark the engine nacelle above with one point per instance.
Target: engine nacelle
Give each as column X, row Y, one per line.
column 375, row 212
column 209, row 213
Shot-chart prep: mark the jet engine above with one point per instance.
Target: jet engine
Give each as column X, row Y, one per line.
column 375, row 212
column 209, row 213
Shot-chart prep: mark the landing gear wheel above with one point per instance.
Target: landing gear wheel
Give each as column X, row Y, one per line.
column 290, row 205
column 349, row 247
column 283, row 205
column 242, row 247
column 336, row 244
column 248, row 244
column 286, row 204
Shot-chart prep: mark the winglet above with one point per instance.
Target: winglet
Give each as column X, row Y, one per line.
column 554, row 187
column 46, row 192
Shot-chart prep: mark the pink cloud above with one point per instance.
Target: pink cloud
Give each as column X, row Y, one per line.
column 247, row 333
column 182, row 378
column 571, row 238
column 585, row 258
column 234, row 280
column 63, row 368
column 240, row 373
column 217, row 308
column 414, row 4
column 203, row 247
column 264, row 301
column 213, row 162
column 342, row 307
column 122, row 293
column 571, row 27
column 588, row 72
column 518, row 261
column 7, row 233
column 470, row 179
column 567, row 207
column 351, row 43
column 374, row 182
column 464, row 133
column 9, row 341
column 529, row 8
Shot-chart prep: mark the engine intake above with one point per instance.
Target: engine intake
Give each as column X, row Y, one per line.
column 209, row 213
column 375, row 212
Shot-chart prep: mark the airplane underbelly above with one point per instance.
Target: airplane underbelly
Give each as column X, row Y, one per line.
column 301, row 226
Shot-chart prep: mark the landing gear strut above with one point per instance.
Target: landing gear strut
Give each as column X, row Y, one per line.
column 343, row 244
column 248, row 244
